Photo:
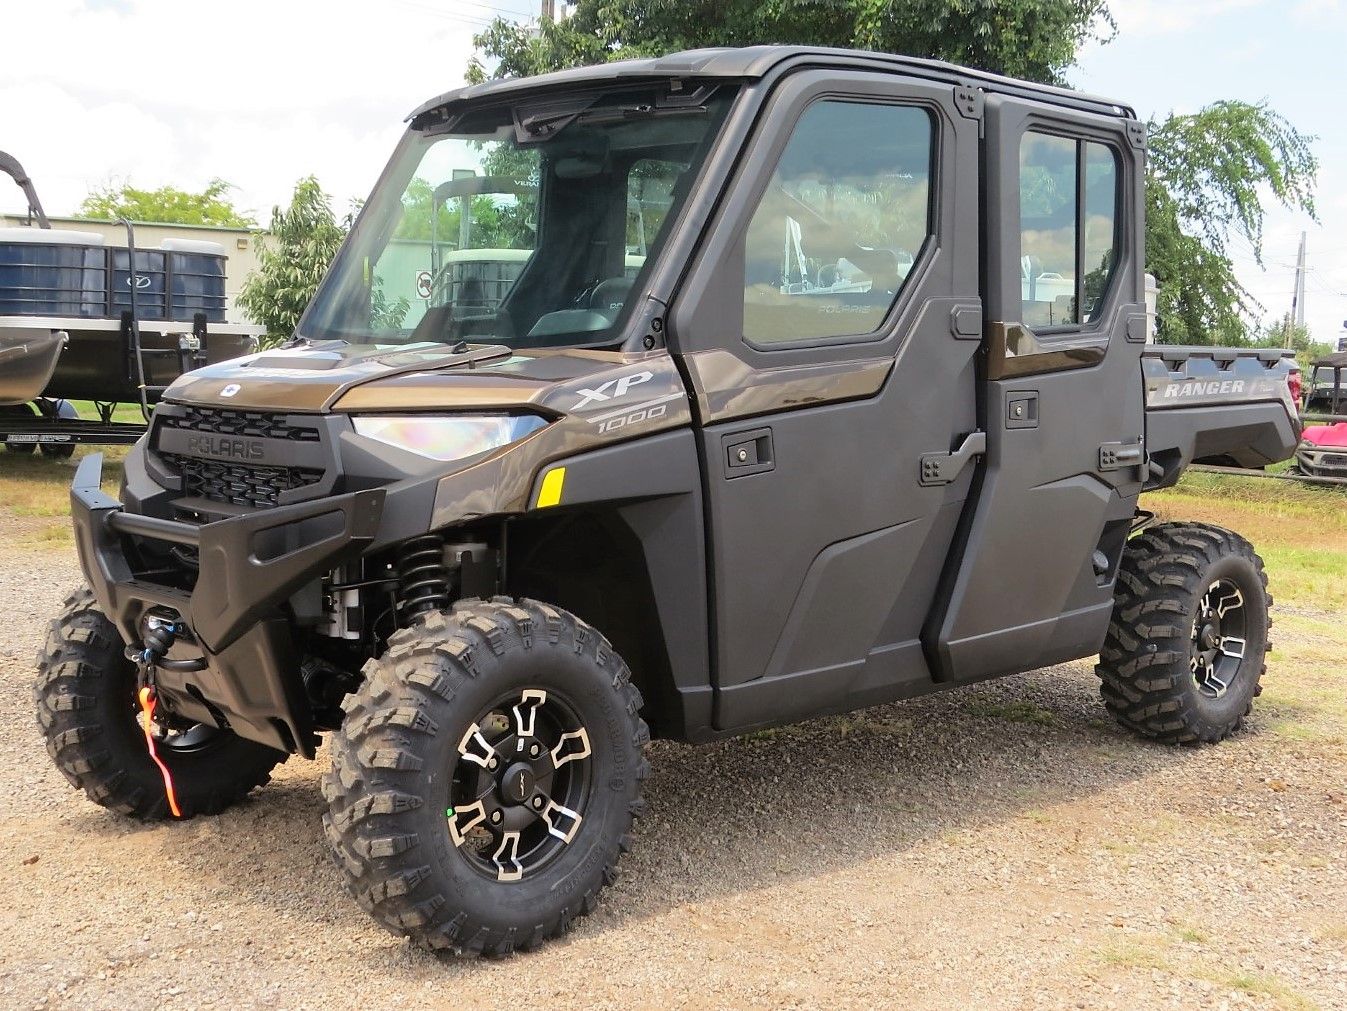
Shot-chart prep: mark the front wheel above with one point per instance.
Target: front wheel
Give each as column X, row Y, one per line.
column 485, row 779
column 87, row 711
column 1186, row 648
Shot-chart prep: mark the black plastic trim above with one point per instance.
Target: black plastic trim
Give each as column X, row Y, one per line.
column 248, row 565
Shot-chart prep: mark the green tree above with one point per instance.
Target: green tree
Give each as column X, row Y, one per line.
column 1205, row 178
column 1207, row 174
column 1283, row 333
column 167, row 205
column 497, row 222
column 1033, row 39
column 292, row 257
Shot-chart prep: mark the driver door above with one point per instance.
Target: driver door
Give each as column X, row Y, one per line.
column 828, row 331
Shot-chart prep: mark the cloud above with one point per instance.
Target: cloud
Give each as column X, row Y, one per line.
column 260, row 93
column 1140, row 18
column 1316, row 10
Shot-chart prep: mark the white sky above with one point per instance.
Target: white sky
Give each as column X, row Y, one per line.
column 263, row 92
column 1178, row 55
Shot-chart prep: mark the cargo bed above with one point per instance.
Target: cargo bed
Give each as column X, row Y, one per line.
column 1217, row 404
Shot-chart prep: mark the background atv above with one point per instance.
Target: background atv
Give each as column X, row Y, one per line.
column 821, row 381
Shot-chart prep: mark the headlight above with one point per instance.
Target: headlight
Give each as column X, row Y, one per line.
column 452, row 437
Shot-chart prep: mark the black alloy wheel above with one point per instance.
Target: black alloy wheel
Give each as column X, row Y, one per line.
column 520, row 784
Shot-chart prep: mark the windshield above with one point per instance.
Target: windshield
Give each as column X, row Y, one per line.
column 523, row 225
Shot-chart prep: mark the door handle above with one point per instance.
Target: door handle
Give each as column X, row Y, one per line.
column 942, row 468
column 744, row 453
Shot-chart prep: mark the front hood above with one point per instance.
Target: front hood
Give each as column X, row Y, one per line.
column 433, row 377
column 1327, row 436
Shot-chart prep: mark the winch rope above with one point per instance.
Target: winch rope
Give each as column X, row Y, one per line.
column 147, row 703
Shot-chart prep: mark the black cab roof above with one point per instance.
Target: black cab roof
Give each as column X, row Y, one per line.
column 755, row 62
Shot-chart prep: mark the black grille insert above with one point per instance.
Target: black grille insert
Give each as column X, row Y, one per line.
column 252, row 424
column 239, row 482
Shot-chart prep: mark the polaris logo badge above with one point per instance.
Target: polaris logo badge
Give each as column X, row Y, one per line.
column 230, row 390
column 219, row 446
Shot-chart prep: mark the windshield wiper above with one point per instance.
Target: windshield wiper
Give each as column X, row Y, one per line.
column 546, row 125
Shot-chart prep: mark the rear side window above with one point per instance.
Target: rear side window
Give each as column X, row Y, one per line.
column 841, row 223
column 1068, row 229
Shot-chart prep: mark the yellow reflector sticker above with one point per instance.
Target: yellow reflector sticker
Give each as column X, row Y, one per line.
column 550, row 493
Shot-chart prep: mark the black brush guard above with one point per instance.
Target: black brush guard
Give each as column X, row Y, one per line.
column 249, row 566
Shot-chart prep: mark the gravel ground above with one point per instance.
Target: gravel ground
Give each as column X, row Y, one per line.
column 1000, row 846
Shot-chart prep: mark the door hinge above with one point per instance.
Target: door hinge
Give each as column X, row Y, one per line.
column 1121, row 455
column 942, row 468
column 968, row 100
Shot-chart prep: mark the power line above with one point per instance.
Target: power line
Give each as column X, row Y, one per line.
column 470, row 19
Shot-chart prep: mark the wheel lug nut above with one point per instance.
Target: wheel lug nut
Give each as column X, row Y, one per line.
column 495, row 817
column 533, row 751
column 537, row 802
column 493, row 763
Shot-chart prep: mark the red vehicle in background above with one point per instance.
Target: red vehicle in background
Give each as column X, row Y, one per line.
column 1322, row 452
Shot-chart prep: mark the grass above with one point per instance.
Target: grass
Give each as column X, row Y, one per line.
column 1144, row 953
column 1303, row 697
column 1190, row 935
column 37, row 488
column 1156, row 953
column 1299, row 530
column 1261, row 985
column 1332, row 934
column 122, row 412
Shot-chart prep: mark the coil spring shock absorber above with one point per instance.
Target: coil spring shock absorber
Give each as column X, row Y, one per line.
column 423, row 578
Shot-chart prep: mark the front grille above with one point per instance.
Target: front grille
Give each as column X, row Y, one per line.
column 1334, row 460
column 238, row 484
column 250, row 424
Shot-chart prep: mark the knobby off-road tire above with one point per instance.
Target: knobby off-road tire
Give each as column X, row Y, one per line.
column 86, row 708
column 1187, row 644
column 412, row 797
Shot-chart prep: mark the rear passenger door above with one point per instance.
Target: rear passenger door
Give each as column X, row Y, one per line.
column 828, row 330
column 1061, row 392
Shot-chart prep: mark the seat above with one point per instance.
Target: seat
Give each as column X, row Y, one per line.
column 608, row 297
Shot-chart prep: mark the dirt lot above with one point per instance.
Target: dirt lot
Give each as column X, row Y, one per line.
column 1000, row 846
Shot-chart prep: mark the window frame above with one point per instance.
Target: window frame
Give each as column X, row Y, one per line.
column 706, row 296
column 919, row 257
column 1081, row 140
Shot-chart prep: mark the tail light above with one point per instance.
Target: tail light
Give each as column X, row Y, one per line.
column 1293, row 381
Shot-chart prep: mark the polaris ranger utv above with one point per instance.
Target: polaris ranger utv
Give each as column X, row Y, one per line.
column 823, row 383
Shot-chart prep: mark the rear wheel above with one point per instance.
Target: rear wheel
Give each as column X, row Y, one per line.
column 485, row 780
column 86, row 708
column 1186, row 648
column 56, row 409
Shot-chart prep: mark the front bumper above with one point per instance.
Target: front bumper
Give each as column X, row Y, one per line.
column 249, row 565
column 1322, row 461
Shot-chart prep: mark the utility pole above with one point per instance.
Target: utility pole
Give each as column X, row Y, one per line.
column 1296, row 317
column 550, row 9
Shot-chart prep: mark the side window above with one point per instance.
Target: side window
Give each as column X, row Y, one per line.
column 842, row 220
column 650, row 186
column 1068, row 229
